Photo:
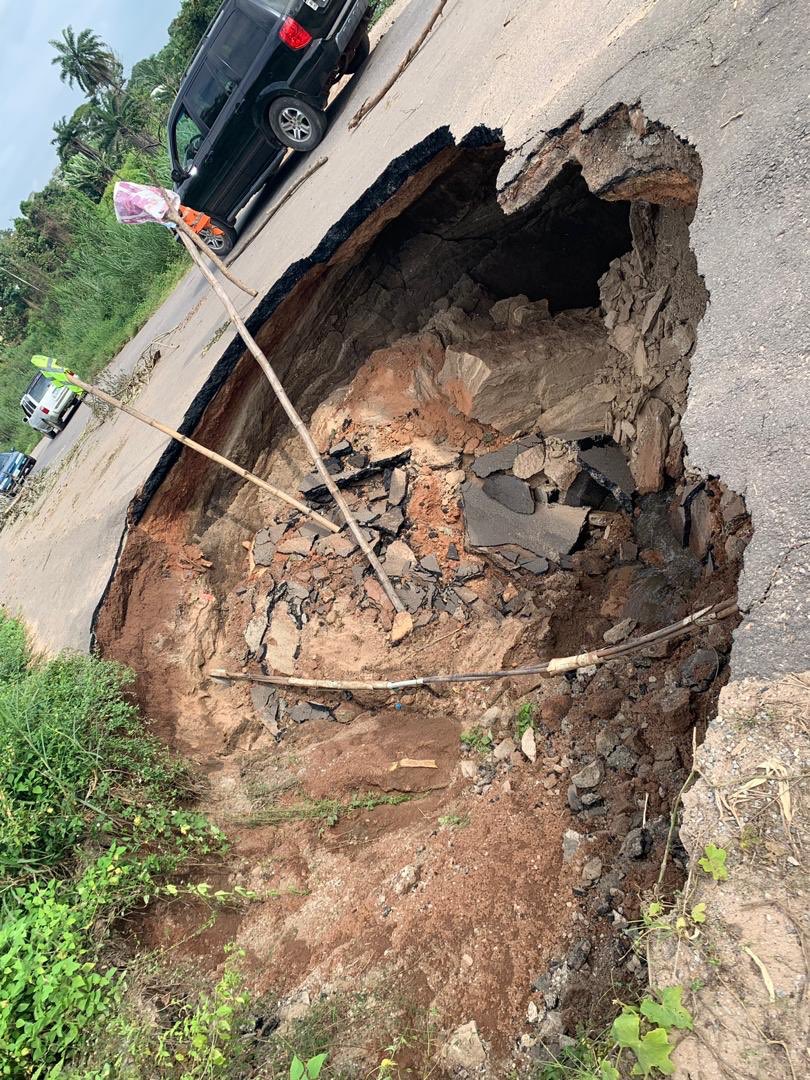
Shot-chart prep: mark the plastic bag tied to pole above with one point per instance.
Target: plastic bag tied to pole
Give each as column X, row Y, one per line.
column 139, row 204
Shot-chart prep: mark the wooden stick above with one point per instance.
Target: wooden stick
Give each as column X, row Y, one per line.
column 373, row 102
column 713, row 613
column 188, row 232
column 285, row 198
column 290, row 500
column 405, row 624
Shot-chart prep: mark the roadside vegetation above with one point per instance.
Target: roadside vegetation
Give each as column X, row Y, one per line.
column 73, row 282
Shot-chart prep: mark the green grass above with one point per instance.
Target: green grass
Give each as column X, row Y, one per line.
column 379, row 8
column 92, row 825
column 328, row 811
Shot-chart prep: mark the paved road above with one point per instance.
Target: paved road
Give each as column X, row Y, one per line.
column 730, row 78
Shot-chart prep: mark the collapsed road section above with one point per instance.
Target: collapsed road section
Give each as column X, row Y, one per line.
column 498, row 380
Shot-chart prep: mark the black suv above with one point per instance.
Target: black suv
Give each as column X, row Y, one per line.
column 257, row 85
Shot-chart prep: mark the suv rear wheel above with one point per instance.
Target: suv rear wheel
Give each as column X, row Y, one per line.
column 219, row 237
column 295, row 123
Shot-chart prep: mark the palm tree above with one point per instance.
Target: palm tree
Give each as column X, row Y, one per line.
column 71, row 135
column 118, row 117
column 89, row 175
column 85, row 60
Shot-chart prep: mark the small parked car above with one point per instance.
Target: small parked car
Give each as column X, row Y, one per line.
column 14, row 468
column 47, row 408
column 257, row 86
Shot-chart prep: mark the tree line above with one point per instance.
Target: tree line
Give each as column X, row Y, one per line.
column 73, row 282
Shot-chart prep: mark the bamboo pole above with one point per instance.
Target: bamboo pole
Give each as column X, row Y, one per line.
column 403, row 623
column 372, row 103
column 285, row 198
column 185, row 231
column 277, row 493
column 713, row 613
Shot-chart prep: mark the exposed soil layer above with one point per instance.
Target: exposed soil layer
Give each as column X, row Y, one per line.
column 443, row 331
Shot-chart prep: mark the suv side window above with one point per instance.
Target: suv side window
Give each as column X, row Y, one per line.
column 187, row 138
column 207, row 95
column 237, row 44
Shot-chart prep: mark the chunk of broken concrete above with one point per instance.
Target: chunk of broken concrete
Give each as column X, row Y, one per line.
column 588, row 777
column 496, row 461
column 310, row 710
column 619, row 632
column 552, row 530
column 398, row 559
column 391, row 521
column 283, row 641
column 510, row 492
column 295, row 545
column 650, row 447
column 431, row 564
column 608, row 467
column 398, row 487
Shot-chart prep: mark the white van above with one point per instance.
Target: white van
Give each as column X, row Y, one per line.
column 47, row 408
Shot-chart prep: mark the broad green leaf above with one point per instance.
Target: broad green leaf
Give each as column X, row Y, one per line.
column 698, row 913
column 608, row 1071
column 625, row 1029
column 714, row 862
column 670, row 1013
column 297, row 1068
column 653, row 1053
column 314, row 1066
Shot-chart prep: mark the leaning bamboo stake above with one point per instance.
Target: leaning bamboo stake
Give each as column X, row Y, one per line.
column 403, row 623
column 282, row 496
column 712, row 613
column 185, row 231
column 285, row 198
column 372, row 103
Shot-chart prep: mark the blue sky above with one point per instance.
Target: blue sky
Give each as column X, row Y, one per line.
column 32, row 97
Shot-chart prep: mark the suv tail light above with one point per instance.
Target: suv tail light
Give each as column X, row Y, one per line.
column 46, row 411
column 294, row 34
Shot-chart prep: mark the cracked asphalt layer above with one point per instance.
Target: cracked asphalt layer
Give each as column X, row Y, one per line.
column 730, row 77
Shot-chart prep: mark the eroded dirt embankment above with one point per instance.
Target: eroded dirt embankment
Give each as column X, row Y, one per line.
column 501, row 395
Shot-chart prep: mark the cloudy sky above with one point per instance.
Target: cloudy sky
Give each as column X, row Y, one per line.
column 32, row 97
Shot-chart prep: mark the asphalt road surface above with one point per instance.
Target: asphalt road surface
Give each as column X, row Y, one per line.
column 731, row 78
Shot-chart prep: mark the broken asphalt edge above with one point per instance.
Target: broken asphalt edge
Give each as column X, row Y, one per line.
column 385, row 187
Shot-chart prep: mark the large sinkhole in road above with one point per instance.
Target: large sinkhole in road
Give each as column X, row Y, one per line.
column 501, row 394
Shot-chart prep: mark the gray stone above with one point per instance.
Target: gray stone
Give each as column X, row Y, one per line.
column 619, row 632
column 254, row 632
column 338, row 544
column 650, row 447
column 637, row 844
column 529, row 462
column 591, row 871
column 622, row 758
column 571, row 843
column 578, row 954
column 341, row 449
column 310, row 710
column 399, row 559
column 264, row 546
column 391, row 521
column 700, row 670
column 398, row 488
column 528, row 744
column 588, row 777
column 283, row 641
column 431, row 564
column 551, row 531
column 504, row 750
column 514, row 494
column 466, row 595
column 267, row 705
column 573, row 800
column 464, row 1049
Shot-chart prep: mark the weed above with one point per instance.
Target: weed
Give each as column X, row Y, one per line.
column 328, row 811
column 477, row 739
column 454, row 821
column 524, row 719
column 714, row 862
column 307, row 1070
